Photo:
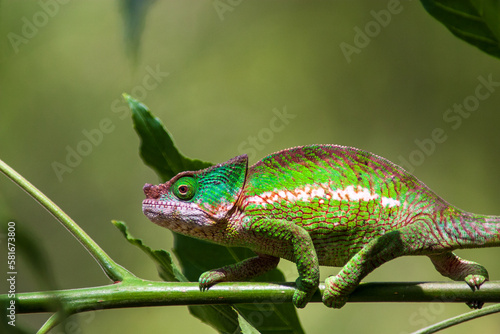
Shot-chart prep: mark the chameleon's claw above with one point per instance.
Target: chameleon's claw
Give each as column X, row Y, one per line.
column 205, row 287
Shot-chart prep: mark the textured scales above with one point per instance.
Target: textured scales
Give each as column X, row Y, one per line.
column 320, row 205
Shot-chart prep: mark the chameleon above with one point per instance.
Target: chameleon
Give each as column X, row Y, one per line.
column 320, row 205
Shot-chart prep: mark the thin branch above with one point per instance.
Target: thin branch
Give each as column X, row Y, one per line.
column 137, row 293
column 52, row 322
column 114, row 271
column 459, row 319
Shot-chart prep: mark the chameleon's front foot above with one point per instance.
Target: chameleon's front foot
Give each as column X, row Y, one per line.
column 209, row 278
column 304, row 292
column 334, row 296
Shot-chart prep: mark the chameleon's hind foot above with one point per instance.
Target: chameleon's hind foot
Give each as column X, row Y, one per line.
column 475, row 282
column 458, row 269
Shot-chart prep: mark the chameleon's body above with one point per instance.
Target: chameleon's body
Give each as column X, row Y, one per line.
column 320, row 205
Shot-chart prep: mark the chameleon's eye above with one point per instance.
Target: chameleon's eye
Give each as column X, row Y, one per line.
column 184, row 188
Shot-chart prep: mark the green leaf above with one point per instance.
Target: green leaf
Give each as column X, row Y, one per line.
column 246, row 328
column 134, row 15
column 196, row 256
column 167, row 269
column 223, row 318
column 475, row 21
column 157, row 148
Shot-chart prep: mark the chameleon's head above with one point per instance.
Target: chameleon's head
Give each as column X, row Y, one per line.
column 191, row 201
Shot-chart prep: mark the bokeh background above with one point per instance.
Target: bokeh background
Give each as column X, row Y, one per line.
column 227, row 72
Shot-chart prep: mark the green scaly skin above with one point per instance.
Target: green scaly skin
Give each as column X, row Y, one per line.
column 320, row 205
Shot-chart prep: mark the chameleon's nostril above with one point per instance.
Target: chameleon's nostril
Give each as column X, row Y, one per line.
column 150, row 191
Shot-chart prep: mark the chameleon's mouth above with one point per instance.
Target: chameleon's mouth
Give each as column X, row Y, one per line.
column 160, row 211
column 153, row 202
column 154, row 210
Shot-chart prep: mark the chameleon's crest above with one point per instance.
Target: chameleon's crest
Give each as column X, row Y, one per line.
column 220, row 186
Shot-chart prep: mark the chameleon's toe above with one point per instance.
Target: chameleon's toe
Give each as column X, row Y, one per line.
column 303, row 292
column 475, row 281
column 333, row 296
column 475, row 304
column 300, row 299
column 209, row 278
column 334, row 299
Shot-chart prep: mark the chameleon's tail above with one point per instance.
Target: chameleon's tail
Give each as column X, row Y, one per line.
column 472, row 230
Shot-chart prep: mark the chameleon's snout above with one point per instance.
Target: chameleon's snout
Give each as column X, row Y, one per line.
column 151, row 191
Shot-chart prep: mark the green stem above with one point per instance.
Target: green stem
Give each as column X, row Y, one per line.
column 459, row 319
column 52, row 322
column 136, row 292
column 114, row 271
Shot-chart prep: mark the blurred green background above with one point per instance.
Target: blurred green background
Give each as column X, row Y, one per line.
column 227, row 72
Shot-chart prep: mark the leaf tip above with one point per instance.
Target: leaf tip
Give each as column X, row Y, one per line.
column 134, row 104
column 120, row 225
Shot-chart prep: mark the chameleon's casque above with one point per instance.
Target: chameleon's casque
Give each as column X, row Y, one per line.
column 320, row 205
